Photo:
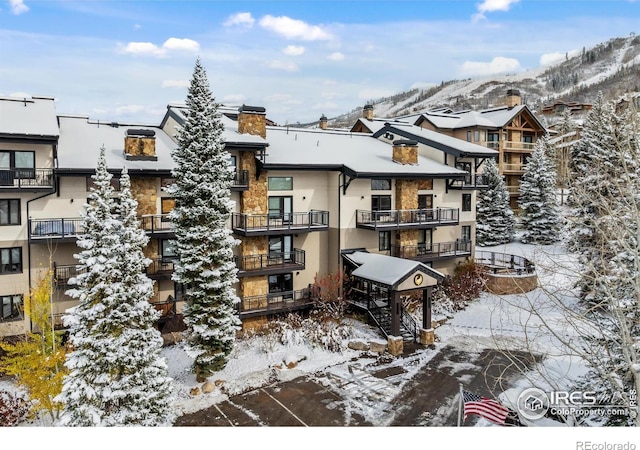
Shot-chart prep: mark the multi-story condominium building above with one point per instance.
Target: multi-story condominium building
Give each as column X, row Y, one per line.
column 307, row 202
column 512, row 130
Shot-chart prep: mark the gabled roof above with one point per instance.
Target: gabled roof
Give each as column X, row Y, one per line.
column 357, row 154
column 28, row 118
column 229, row 116
column 487, row 118
column 450, row 145
column 387, row 270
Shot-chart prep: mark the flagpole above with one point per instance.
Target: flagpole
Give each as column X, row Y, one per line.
column 460, row 406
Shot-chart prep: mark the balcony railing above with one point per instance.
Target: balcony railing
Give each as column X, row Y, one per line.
column 493, row 144
column 26, row 179
column 262, row 305
column 505, row 263
column 470, row 182
column 270, row 263
column 425, row 252
column 520, row 167
column 518, row 146
column 42, row 229
column 63, row 273
column 256, row 224
column 156, row 224
column 240, row 180
column 160, row 268
column 407, row 218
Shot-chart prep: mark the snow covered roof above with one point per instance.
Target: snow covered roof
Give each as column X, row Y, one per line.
column 33, row 118
column 447, row 144
column 488, row 118
column 388, row 270
column 358, row 153
column 81, row 139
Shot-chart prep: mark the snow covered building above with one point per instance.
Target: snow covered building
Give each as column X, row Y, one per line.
column 304, row 198
column 512, row 130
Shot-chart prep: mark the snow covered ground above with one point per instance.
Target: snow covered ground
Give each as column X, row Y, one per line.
column 499, row 322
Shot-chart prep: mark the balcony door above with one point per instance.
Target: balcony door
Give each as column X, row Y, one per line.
column 280, row 249
column 280, row 208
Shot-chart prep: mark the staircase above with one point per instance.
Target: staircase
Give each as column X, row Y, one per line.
column 379, row 314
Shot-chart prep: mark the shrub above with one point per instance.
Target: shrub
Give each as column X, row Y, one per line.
column 13, row 409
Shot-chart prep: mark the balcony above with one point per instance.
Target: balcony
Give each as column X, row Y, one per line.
column 513, row 169
column 406, row 218
column 240, row 181
column 160, row 268
column 275, row 224
column 514, row 146
column 66, row 230
column 26, row 180
column 63, row 273
column 269, row 264
column 281, row 302
column 430, row 252
column 157, row 225
column 470, row 182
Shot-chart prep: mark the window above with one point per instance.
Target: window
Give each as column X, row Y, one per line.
column 11, row 307
column 466, row 202
column 168, row 248
column 425, row 238
column 115, row 183
column 9, row 212
column 280, row 208
column 280, row 183
column 476, row 136
column 425, row 201
column 167, row 204
column 528, row 139
column 281, row 244
column 380, row 203
column 232, row 161
column 281, row 283
column 381, row 185
column 12, row 161
column 11, row 260
column 466, row 233
column 469, row 136
column 384, row 240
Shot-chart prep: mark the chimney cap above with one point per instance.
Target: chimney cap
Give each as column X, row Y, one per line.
column 323, row 117
column 140, row 132
column 405, row 142
column 368, row 106
column 511, row 92
column 252, row 109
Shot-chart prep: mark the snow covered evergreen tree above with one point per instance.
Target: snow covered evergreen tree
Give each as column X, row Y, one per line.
column 116, row 375
column 495, row 221
column 541, row 219
column 204, row 244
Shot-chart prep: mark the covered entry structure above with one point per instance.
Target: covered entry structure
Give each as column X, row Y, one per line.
column 376, row 283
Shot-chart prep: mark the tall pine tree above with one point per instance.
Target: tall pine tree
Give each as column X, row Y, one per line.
column 495, row 221
column 203, row 242
column 541, row 219
column 116, row 375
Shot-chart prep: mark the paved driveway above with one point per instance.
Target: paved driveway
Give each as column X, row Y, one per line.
column 380, row 395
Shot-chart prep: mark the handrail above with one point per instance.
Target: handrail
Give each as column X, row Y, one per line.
column 270, row 260
column 156, row 223
column 435, row 250
column 280, row 221
column 496, row 261
column 26, row 178
column 407, row 216
column 409, row 323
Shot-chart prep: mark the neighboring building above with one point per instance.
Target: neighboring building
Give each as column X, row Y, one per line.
column 304, row 200
column 559, row 107
column 512, row 130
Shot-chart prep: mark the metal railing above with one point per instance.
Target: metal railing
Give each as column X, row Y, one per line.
column 432, row 251
column 55, row 228
column 160, row 267
column 519, row 167
column 240, row 179
column 63, row 273
column 156, row 223
column 277, row 302
column 26, row 178
column 503, row 262
column 470, row 180
column 407, row 217
column 408, row 323
column 291, row 259
column 295, row 221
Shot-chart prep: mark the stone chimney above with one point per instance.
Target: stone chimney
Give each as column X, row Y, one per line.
column 367, row 112
column 252, row 120
column 405, row 152
column 513, row 98
column 140, row 144
column 323, row 122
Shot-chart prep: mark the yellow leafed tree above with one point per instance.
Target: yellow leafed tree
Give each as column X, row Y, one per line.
column 37, row 361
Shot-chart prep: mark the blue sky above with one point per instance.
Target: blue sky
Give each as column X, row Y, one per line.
column 125, row 60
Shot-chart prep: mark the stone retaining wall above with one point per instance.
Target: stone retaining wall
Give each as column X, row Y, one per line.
column 511, row 284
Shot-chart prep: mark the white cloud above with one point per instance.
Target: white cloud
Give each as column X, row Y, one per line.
column 243, row 19
column 492, row 5
column 288, row 66
column 181, row 44
column 137, row 26
column 18, row 6
column 234, row 99
column 499, row 64
column 294, row 29
column 336, row 56
column 171, row 44
column 551, row 58
column 293, row 50
column 175, row 83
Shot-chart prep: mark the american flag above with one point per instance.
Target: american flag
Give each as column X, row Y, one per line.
column 491, row 410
